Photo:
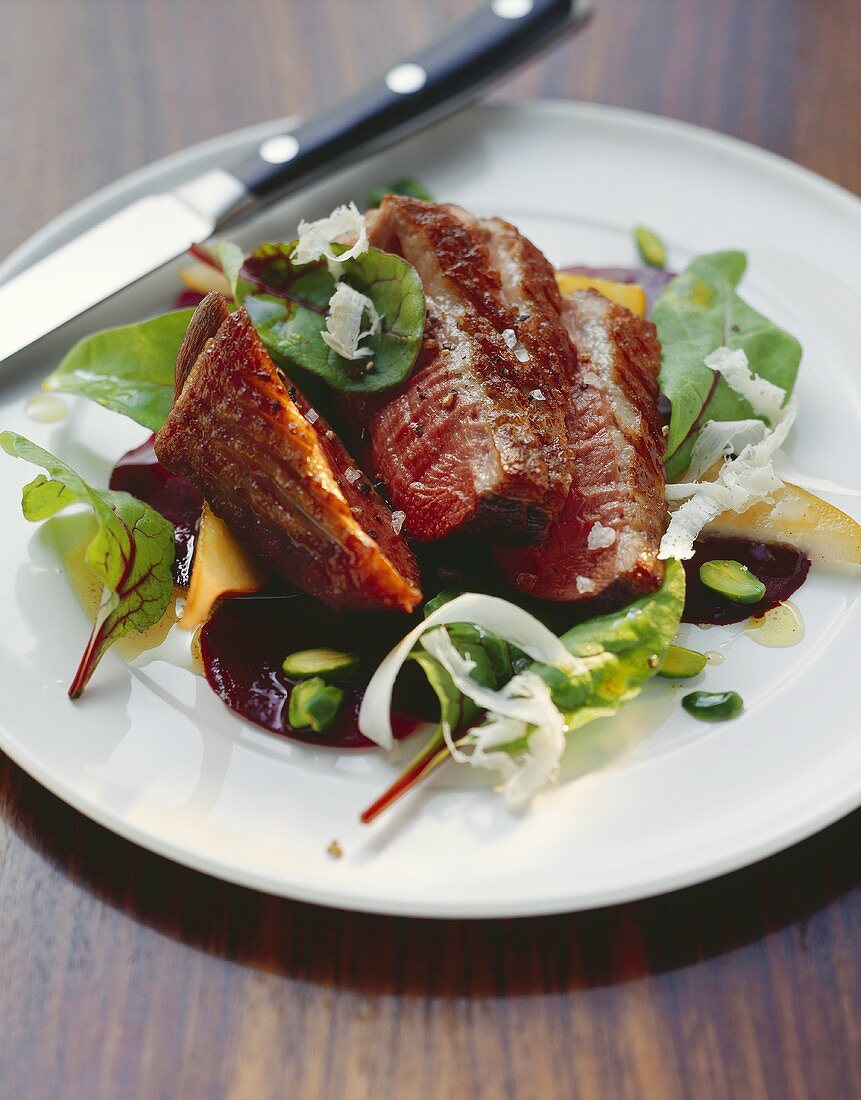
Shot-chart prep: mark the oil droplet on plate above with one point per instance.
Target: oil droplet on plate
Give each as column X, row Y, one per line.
column 713, row 657
column 779, row 628
column 45, row 408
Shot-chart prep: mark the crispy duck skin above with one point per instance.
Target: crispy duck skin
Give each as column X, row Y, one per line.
column 475, row 440
column 206, row 320
column 617, row 493
column 241, row 434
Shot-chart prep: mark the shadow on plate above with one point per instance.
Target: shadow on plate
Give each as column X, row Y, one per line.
column 382, row 956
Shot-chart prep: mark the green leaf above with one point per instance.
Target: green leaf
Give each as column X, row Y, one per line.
column 230, row 258
column 288, row 304
column 411, row 188
column 495, row 662
column 698, row 312
column 627, row 648
column 634, row 641
column 128, row 370
column 131, row 551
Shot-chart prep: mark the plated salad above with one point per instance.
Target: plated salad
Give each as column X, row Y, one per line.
column 406, row 479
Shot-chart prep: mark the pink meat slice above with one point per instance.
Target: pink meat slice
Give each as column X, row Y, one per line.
column 604, row 543
column 475, row 440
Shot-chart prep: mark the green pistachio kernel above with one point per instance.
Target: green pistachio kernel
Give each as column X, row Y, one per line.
column 650, row 246
column 733, row 580
column 321, row 662
column 314, row 704
column 682, row 664
column 713, row 706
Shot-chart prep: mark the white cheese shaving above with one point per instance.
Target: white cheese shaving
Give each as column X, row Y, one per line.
column 522, row 708
column 347, row 308
column 510, row 622
column 600, row 537
column 741, row 482
column 315, row 238
column 764, row 397
column 721, row 438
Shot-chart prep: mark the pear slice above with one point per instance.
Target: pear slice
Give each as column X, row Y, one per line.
column 630, row 295
column 222, row 566
column 799, row 519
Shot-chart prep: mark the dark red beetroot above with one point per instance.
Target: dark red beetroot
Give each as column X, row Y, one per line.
column 140, row 473
column 245, row 642
column 246, row 639
column 780, row 568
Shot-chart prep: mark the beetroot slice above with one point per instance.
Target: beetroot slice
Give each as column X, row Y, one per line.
column 782, row 570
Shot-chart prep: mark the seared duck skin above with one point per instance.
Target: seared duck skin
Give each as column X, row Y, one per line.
column 276, row 475
column 475, row 440
column 604, row 543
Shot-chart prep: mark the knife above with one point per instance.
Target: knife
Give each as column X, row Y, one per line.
column 408, row 97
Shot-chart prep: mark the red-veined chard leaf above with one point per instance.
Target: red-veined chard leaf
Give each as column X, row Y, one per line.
column 131, row 551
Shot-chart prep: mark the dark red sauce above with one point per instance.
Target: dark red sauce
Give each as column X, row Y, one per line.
column 247, row 638
column 140, row 474
column 780, row 568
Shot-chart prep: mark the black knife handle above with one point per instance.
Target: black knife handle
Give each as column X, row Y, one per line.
column 410, row 95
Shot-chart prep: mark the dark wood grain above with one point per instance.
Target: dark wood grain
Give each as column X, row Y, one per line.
column 126, row 976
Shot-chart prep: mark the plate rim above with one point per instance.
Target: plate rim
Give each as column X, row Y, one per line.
column 822, row 811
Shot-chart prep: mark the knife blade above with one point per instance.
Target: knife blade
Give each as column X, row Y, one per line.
column 157, row 229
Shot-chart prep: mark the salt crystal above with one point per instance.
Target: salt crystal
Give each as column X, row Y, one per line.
column 521, row 354
column 510, row 337
column 584, row 585
column 352, row 474
column 312, row 416
column 398, row 521
column 600, row 537
column 537, row 395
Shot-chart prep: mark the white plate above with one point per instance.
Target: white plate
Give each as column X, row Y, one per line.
column 648, row 802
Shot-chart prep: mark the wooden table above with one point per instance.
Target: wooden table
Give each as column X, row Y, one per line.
column 124, row 975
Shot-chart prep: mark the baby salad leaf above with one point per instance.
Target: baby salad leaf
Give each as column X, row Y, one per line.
column 697, row 313
column 128, row 370
column 635, row 639
column 288, row 304
column 131, row 552
column 632, row 642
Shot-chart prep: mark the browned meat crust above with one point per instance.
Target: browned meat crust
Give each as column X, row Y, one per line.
column 206, row 320
column 617, row 493
column 287, row 487
column 475, row 440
